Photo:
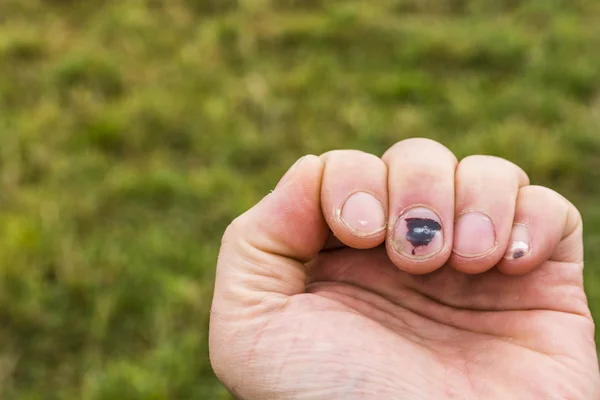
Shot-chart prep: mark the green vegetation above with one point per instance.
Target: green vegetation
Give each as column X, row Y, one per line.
column 132, row 132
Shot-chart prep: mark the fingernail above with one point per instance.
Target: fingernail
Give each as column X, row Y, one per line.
column 286, row 177
column 363, row 214
column 474, row 235
column 519, row 242
column 418, row 233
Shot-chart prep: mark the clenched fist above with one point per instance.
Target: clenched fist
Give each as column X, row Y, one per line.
column 410, row 276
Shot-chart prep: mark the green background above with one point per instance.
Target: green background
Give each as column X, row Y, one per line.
column 133, row 131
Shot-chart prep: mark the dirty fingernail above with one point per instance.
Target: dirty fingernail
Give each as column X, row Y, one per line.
column 519, row 242
column 363, row 214
column 418, row 233
column 474, row 235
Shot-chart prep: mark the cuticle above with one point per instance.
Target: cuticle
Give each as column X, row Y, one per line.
column 478, row 256
column 474, row 210
column 363, row 191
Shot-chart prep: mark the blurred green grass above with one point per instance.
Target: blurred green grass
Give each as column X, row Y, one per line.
column 132, row 132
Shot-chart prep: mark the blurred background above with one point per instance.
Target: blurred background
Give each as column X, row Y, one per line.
column 133, row 131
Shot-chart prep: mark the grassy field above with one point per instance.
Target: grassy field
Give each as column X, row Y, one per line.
column 133, row 131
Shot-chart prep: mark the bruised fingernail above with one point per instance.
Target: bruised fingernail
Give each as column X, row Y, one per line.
column 519, row 243
column 474, row 235
column 363, row 214
column 418, row 233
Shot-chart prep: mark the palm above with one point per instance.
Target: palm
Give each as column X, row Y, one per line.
column 434, row 336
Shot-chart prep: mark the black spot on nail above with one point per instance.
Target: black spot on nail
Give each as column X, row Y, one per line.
column 421, row 231
column 518, row 254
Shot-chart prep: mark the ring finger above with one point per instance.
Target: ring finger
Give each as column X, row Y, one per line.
column 486, row 194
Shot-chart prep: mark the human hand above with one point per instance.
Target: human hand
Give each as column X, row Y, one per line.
column 406, row 277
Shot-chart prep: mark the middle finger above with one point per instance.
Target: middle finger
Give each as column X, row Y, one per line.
column 421, row 204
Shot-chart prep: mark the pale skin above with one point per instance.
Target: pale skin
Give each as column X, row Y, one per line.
column 318, row 294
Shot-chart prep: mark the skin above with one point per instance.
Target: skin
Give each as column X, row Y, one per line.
column 305, row 307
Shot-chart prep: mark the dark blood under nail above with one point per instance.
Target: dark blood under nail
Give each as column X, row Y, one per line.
column 421, row 231
column 518, row 254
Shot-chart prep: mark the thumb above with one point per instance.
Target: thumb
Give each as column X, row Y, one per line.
column 262, row 256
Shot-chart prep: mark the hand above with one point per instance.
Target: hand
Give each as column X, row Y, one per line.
column 410, row 276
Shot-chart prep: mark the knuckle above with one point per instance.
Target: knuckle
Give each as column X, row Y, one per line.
column 493, row 166
column 487, row 161
column 420, row 145
column 544, row 195
column 419, row 142
column 430, row 178
column 543, row 192
column 234, row 230
column 348, row 156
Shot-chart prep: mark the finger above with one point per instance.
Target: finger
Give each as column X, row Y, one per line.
column 486, row 193
column 543, row 219
column 421, row 204
column 261, row 261
column 354, row 197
